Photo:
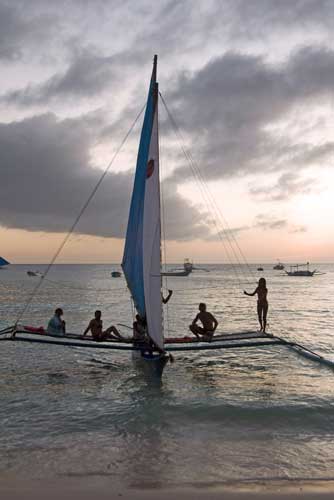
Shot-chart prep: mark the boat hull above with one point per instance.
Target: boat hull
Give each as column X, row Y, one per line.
column 152, row 364
column 300, row 273
column 177, row 273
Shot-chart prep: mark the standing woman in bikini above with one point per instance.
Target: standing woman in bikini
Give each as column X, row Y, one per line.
column 262, row 303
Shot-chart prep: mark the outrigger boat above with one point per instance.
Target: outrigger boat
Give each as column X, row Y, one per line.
column 141, row 265
column 187, row 269
column 296, row 271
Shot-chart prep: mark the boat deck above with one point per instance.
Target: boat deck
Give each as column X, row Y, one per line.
column 246, row 338
column 238, row 340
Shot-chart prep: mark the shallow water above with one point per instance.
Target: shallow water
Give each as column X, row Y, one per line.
column 217, row 416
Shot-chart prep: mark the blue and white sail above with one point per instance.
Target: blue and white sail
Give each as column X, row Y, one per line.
column 142, row 253
column 3, row 262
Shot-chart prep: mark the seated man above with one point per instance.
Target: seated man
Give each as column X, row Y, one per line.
column 56, row 325
column 208, row 321
column 95, row 326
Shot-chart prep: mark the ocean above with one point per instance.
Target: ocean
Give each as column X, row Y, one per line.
column 217, row 417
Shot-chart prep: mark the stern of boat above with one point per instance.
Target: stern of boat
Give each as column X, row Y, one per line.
column 152, row 363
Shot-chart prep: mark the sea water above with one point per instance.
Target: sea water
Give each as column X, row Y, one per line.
column 218, row 416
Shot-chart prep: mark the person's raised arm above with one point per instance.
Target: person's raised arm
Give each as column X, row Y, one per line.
column 250, row 294
column 165, row 300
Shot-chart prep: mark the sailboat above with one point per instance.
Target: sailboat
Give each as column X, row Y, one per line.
column 141, row 265
column 142, row 253
column 3, row 262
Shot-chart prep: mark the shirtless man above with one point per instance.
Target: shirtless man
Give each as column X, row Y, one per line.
column 208, row 321
column 96, row 328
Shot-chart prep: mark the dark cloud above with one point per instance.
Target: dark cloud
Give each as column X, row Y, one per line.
column 230, row 107
column 47, row 174
column 18, row 30
column 287, row 185
column 87, row 75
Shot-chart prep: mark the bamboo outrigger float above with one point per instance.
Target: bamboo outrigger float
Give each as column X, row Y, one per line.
column 241, row 340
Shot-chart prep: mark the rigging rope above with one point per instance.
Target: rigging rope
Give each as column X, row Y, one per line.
column 81, row 212
column 210, row 202
column 163, row 220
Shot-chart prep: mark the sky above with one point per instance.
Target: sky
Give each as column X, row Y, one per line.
column 247, row 161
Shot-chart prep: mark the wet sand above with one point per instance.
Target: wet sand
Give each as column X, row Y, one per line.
column 84, row 489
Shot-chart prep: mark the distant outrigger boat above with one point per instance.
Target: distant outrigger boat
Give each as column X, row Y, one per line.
column 187, row 269
column 296, row 271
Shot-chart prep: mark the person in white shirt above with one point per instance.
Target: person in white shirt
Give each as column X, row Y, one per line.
column 56, row 325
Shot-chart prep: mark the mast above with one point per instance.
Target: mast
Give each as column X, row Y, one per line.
column 142, row 253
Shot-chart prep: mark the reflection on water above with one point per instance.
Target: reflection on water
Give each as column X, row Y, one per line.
column 217, row 416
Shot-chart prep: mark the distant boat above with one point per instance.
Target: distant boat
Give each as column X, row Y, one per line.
column 260, row 268
column 188, row 265
column 279, row 266
column 116, row 274
column 176, row 273
column 296, row 271
column 34, row 273
column 3, row 262
column 187, row 269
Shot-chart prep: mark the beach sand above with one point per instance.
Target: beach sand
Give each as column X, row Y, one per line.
column 84, row 489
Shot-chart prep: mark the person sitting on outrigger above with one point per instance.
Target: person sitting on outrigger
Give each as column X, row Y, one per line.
column 208, row 321
column 143, row 341
column 139, row 330
column 262, row 303
column 56, row 325
column 96, row 328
